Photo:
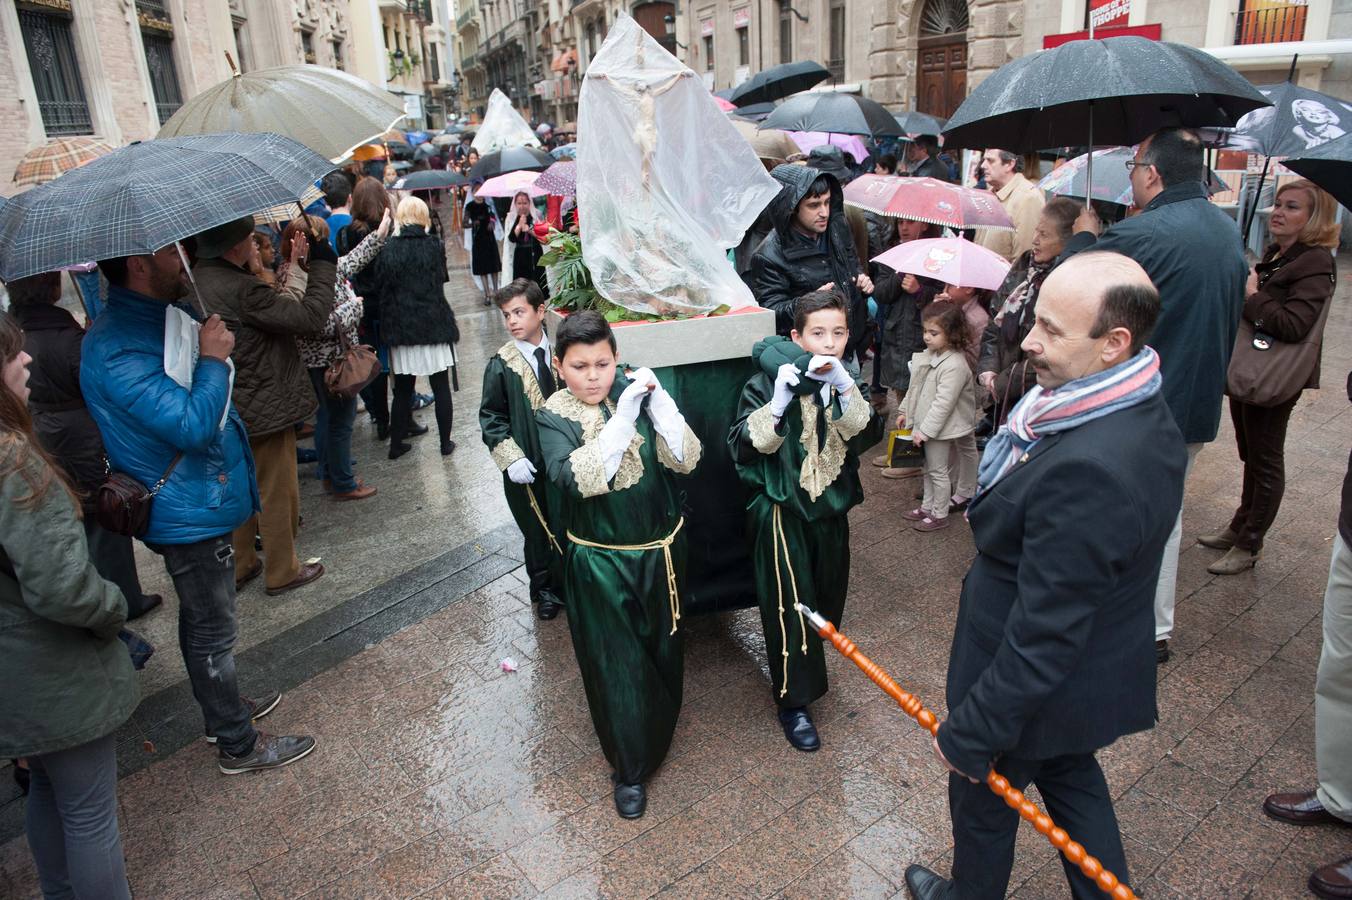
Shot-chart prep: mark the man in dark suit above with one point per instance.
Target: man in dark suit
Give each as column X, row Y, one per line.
column 1053, row 652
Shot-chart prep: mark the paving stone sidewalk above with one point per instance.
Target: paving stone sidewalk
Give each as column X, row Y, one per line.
column 440, row 775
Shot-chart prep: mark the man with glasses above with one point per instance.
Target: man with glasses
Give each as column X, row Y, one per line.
column 1192, row 252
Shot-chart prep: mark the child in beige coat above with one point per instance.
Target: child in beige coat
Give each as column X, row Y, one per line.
column 940, row 409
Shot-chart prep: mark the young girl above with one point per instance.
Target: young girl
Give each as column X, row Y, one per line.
column 975, row 306
column 940, row 410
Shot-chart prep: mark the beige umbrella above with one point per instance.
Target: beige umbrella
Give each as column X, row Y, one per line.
column 46, row 163
column 329, row 111
column 769, row 143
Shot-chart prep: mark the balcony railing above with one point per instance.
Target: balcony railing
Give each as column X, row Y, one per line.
column 465, row 17
column 1271, row 24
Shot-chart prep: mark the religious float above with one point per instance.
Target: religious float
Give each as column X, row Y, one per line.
column 665, row 186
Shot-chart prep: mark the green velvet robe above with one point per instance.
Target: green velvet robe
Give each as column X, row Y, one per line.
column 620, row 612
column 511, row 396
column 803, row 482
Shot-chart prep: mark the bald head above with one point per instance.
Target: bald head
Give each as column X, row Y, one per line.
column 1094, row 311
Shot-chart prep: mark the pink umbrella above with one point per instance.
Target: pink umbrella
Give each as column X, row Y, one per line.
column 725, row 105
column 950, row 260
column 509, row 184
column 927, row 200
column 850, row 143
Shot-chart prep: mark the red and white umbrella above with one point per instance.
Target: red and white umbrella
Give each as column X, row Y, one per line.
column 950, row 260
column 509, row 184
column 927, row 200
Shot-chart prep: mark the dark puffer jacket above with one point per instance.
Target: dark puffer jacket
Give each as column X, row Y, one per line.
column 272, row 388
column 63, row 424
column 789, row 264
column 413, row 307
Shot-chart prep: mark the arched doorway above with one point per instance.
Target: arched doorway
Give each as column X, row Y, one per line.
column 941, row 67
column 652, row 16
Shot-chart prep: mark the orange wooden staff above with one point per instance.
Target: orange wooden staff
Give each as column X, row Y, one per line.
column 1090, row 866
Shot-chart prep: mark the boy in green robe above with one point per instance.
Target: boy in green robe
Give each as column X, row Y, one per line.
column 610, row 444
column 517, row 382
column 800, row 428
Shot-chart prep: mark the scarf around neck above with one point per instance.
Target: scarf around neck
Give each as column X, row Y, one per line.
column 1019, row 294
column 1042, row 412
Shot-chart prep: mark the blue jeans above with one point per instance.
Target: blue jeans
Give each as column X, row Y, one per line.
column 333, row 435
column 204, row 577
column 71, row 821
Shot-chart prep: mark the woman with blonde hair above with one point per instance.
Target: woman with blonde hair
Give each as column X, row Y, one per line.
column 1284, row 299
column 69, row 679
column 416, row 322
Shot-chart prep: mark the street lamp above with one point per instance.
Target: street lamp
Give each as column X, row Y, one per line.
column 670, row 22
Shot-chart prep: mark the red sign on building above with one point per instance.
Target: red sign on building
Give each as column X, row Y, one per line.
column 1109, row 13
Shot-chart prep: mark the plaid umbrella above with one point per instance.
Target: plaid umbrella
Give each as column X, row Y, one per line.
column 146, row 196
column 56, row 157
column 559, row 179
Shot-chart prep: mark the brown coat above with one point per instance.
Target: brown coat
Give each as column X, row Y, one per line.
column 272, row 388
column 1293, row 289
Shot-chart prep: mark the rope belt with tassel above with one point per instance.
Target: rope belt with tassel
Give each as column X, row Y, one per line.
column 663, row 544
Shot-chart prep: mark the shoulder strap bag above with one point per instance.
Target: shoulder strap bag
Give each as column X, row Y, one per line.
column 355, row 367
column 1267, row 372
column 122, row 504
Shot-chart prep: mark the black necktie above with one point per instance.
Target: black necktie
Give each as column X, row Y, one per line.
column 543, row 373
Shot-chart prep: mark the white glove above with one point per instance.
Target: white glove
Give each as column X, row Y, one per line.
column 614, row 440
column 631, row 401
column 667, row 420
column 837, row 375
column 784, row 382
column 522, row 471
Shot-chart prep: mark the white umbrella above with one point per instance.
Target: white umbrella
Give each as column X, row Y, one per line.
column 329, row 111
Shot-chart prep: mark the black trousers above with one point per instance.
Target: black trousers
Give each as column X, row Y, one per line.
column 1260, row 434
column 984, row 827
column 401, row 416
column 377, row 399
column 115, row 560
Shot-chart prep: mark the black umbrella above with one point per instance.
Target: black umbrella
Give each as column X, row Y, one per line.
column 778, row 82
column 512, row 159
column 145, row 196
column 1298, row 120
column 1328, row 165
column 753, row 112
column 430, row 180
column 913, row 122
column 1114, row 91
column 833, row 113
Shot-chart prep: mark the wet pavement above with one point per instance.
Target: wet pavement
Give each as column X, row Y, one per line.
column 440, row 775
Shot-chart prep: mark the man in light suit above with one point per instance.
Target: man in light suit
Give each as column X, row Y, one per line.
column 1053, row 651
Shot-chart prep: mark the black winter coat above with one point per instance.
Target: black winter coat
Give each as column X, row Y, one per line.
column 411, row 270
column 789, row 264
column 1192, row 252
column 1054, row 647
column 63, row 424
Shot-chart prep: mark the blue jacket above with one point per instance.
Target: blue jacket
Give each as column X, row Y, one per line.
column 1192, row 252
column 145, row 417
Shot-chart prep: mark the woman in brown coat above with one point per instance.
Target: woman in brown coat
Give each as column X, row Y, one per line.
column 1284, row 297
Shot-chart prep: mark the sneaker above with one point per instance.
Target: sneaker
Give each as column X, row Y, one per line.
column 269, row 752
column 929, row 523
column 257, row 708
column 914, row 515
column 882, row 461
column 897, row 473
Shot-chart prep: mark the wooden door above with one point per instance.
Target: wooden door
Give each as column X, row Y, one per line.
column 942, row 74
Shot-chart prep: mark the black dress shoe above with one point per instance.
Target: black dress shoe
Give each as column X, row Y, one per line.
column 1161, row 652
column 398, row 449
column 414, row 430
column 548, row 606
column 1333, row 881
column 148, row 603
column 1301, row 808
column 447, row 447
column 922, row 884
column 798, row 728
column 630, row 800
column 382, row 431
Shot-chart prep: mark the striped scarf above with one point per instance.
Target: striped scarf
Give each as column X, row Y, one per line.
column 1043, row 412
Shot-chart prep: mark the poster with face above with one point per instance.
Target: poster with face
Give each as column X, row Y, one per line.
column 1298, row 120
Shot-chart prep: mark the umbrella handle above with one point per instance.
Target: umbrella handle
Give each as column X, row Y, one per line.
column 1089, row 865
column 305, row 217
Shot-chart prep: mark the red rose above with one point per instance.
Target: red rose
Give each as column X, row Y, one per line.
column 542, row 230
